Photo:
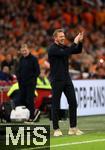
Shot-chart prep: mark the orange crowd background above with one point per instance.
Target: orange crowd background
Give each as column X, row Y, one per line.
column 33, row 22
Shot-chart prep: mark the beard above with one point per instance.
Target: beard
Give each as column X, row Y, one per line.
column 61, row 42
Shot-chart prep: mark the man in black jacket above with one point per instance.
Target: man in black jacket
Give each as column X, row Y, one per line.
column 58, row 54
column 27, row 73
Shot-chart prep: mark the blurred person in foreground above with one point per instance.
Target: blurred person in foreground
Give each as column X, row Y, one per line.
column 43, row 83
column 27, row 73
column 58, row 54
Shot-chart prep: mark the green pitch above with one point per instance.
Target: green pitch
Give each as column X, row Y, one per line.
column 93, row 141
column 93, row 138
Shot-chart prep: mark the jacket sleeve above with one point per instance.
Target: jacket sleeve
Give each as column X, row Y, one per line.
column 36, row 68
column 73, row 49
column 18, row 69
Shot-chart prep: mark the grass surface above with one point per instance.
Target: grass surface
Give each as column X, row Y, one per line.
column 93, row 138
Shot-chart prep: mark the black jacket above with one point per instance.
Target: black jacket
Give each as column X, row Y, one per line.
column 58, row 58
column 28, row 70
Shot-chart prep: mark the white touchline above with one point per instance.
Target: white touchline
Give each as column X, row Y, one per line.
column 78, row 143
column 67, row 144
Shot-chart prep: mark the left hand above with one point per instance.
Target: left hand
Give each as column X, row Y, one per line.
column 79, row 38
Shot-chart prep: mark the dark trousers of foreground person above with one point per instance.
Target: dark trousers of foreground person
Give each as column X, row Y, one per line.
column 27, row 97
column 57, row 88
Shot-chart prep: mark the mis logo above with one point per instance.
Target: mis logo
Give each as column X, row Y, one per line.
column 25, row 136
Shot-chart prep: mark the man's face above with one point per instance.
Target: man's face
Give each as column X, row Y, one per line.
column 9, row 58
column 25, row 51
column 6, row 69
column 60, row 38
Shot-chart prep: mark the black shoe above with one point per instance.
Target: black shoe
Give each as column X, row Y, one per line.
column 37, row 116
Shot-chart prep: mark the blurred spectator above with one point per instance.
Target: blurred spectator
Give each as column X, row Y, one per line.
column 9, row 61
column 42, row 81
column 100, row 73
column 5, row 74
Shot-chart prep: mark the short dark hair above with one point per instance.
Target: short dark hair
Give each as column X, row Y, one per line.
column 57, row 31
